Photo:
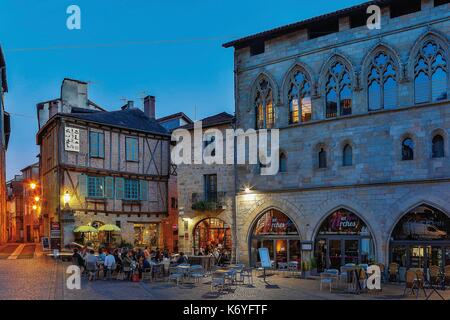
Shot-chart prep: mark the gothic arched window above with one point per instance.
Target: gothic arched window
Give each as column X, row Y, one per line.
column 299, row 97
column 430, row 73
column 347, row 156
column 264, row 105
column 322, row 158
column 408, row 149
column 382, row 83
column 338, row 91
column 438, row 146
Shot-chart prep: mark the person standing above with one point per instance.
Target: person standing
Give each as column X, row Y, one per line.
column 109, row 265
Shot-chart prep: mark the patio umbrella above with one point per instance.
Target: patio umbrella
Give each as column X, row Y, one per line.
column 109, row 228
column 84, row 229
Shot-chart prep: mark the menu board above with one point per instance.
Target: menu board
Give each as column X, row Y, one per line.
column 265, row 258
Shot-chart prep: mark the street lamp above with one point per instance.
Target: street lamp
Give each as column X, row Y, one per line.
column 34, row 207
column 33, row 185
column 37, row 198
column 66, row 199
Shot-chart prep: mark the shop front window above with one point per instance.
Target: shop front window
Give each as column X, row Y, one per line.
column 212, row 235
column 421, row 239
column 146, row 235
column 276, row 232
column 343, row 239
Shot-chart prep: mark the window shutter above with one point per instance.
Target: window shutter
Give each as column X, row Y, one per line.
column 109, row 187
column 143, row 189
column 101, row 145
column 93, row 144
column 82, row 185
column 120, row 185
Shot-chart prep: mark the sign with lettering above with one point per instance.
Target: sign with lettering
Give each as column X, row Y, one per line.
column 55, row 231
column 265, row 258
column 72, row 139
column 45, row 243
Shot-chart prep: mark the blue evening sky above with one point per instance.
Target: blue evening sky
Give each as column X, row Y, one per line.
column 170, row 49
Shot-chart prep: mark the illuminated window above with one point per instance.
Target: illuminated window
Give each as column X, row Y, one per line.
column 299, row 97
column 430, row 73
column 382, row 83
column 264, row 105
column 338, row 91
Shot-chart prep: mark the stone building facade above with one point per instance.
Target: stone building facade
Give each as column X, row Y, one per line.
column 206, row 193
column 364, row 120
column 102, row 167
column 4, row 139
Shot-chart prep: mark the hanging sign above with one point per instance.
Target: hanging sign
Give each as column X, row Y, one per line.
column 72, row 139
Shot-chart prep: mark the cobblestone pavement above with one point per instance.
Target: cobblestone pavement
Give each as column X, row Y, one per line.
column 43, row 278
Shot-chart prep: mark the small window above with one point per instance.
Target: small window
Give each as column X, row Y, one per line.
column 408, row 149
column 210, row 139
column 322, row 159
column 118, row 224
column 257, row 48
column 283, row 162
column 438, row 146
column 174, row 203
column 131, row 189
column 96, row 145
column 96, row 186
column 131, row 149
column 210, row 187
column 347, row 156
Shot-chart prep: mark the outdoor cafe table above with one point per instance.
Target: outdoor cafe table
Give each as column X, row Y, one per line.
column 65, row 256
column 353, row 280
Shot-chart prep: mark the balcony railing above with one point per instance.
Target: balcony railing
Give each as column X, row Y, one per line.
column 210, row 201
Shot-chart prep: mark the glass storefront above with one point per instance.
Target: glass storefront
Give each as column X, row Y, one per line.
column 276, row 232
column 210, row 234
column 146, row 235
column 421, row 239
column 343, row 238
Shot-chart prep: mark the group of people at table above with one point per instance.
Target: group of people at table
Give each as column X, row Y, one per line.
column 129, row 262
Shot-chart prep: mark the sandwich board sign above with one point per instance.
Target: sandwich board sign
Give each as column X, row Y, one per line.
column 264, row 257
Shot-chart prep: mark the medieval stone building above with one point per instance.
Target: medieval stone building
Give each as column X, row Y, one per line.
column 364, row 120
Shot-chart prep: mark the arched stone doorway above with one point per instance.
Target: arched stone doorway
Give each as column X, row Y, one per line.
column 421, row 238
column 343, row 238
column 277, row 232
column 212, row 233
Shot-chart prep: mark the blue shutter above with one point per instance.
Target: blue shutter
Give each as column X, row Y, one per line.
column 101, row 145
column 82, row 185
column 135, row 150
column 127, row 149
column 120, row 185
column 143, row 189
column 93, row 144
column 109, row 187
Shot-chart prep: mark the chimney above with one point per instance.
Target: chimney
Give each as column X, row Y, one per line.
column 129, row 105
column 74, row 94
column 150, row 106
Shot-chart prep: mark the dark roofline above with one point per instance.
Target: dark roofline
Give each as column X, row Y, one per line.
column 74, row 117
column 279, row 31
column 175, row 115
column 3, row 70
column 75, row 80
column 206, row 124
column 36, row 164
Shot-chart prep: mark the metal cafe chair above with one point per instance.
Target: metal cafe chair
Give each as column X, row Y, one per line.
column 247, row 273
column 196, row 272
column 329, row 276
column 175, row 274
column 293, row 268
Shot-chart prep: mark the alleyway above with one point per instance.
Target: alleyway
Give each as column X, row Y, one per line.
column 13, row 251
